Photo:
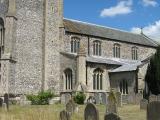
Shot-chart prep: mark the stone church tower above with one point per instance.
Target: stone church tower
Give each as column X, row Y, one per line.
column 32, row 32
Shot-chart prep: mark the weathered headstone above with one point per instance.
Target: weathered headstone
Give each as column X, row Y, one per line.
column 24, row 101
column 91, row 113
column 111, row 116
column 138, row 98
column 103, row 98
column 152, row 98
column 143, row 104
column 6, row 100
column 71, row 107
column 112, row 104
column 153, row 111
column 91, row 99
column 65, row 97
column 1, row 102
column 97, row 97
column 64, row 115
column 119, row 99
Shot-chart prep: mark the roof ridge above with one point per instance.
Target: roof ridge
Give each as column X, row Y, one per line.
column 92, row 24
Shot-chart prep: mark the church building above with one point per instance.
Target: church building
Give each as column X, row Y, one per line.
column 42, row 50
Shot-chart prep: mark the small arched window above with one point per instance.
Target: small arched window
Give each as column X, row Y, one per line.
column 134, row 53
column 97, row 48
column 68, row 79
column 98, row 79
column 75, row 43
column 116, row 50
column 123, row 86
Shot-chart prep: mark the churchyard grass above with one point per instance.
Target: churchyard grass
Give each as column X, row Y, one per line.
column 127, row 112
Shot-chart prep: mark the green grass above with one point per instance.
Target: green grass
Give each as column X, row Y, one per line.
column 127, row 112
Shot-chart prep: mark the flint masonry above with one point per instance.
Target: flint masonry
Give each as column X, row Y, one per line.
column 41, row 50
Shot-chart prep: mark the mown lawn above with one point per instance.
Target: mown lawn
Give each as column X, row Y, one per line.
column 127, row 112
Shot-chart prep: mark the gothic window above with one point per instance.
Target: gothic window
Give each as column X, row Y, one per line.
column 68, row 79
column 97, row 48
column 116, row 50
column 123, row 86
column 75, row 43
column 98, row 79
column 134, row 53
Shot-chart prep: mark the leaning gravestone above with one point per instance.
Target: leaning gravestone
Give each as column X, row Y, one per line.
column 1, row 102
column 64, row 115
column 111, row 116
column 112, row 104
column 71, row 107
column 143, row 104
column 152, row 98
column 153, row 111
column 6, row 100
column 91, row 113
column 119, row 99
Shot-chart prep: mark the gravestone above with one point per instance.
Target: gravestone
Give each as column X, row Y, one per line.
column 143, row 104
column 91, row 99
column 152, row 98
column 97, row 97
column 91, row 113
column 111, row 116
column 6, row 100
column 64, row 115
column 65, row 97
column 103, row 98
column 71, row 107
column 153, row 111
column 24, row 101
column 112, row 104
column 138, row 98
column 119, row 99
column 1, row 102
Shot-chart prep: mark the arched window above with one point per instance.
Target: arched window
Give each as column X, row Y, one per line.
column 97, row 48
column 98, row 79
column 134, row 53
column 75, row 43
column 123, row 86
column 68, row 79
column 116, row 50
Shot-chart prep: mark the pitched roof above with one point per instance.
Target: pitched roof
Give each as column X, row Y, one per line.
column 106, row 32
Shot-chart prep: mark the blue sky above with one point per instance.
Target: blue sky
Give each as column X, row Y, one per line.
column 129, row 15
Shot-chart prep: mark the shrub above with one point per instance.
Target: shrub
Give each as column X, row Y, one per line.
column 79, row 98
column 41, row 99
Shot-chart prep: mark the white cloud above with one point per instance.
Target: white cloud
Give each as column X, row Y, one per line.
column 123, row 7
column 149, row 3
column 153, row 30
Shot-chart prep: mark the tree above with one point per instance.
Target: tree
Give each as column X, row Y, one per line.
column 152, row 77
